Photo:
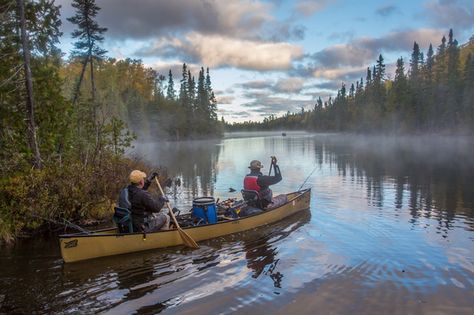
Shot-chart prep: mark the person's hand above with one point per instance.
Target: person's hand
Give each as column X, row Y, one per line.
column 163, row 199
column 274, row 160
column 153, row 175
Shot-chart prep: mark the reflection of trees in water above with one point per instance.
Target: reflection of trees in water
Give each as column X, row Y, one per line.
column 194, row 162
column 437, row 177
column 130, row 277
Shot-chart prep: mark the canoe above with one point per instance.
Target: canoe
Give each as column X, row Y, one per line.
column 107, row 242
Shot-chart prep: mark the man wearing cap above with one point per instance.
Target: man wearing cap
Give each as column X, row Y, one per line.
column 146, row 216
column 255, row 180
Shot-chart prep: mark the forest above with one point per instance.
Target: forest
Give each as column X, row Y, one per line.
column 67, row 121
column 432, row 93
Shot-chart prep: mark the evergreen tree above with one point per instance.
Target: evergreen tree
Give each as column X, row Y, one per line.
column 170, row 92
column 202, row 99
column 429, row 64
column 89, row 35
column 453, row 107
column 184, row 88
column 30, row 96
column 468, row 94
column 415, row 62
column 399, row 97
column 212, row 99
column 379, row 70
column 440, row 62
column 368, row 78
column 191, row 89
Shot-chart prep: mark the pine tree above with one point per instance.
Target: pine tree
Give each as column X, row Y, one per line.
column 89, row 35
column 379, row 70
column 191, row 89
column 440, row 62
column 468, row 93
column 368, row 78
column 453, row 108
column 399, row 97
column 184, row 89
column 212, row 99
column 31, row 107
column 202, row 99
column 415, row 62
column 429, row 63
column 170, row 92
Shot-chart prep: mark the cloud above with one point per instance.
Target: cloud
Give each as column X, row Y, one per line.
column 328, row 85
column 386, row 10
column 233, row 114
column 176, row 69
column 340, row 74
column 364, row 50
column 257, row 85
column 227, row 52
column 266, row 104
column 309, row 7
column 282, row 86
column 150, row 18
column 457, row 14
column 289, row 85
column 224, row 99
column 145, row 19
column 320, row 94
column 341, row 36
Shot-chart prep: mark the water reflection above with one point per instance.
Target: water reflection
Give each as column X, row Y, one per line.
column 389, row 231
column 430, row 178
column 193, row 162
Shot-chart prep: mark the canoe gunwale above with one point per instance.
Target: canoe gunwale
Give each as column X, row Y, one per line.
column 99, row 233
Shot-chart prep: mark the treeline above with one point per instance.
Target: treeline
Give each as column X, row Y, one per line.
column 429, row 94
column 64, row 122
column 147, row 101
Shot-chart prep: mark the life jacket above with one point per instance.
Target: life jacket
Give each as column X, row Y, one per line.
column 250, row 183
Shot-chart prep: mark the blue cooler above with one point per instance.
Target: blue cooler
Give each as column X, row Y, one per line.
column 205, row 208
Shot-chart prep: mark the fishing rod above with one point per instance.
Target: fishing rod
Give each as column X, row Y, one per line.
column 308, row 177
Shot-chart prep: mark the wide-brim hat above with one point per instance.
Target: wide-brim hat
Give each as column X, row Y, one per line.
column 136, row 176
column 255, row 164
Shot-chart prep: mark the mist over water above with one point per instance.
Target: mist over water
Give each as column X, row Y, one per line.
column 390, row 230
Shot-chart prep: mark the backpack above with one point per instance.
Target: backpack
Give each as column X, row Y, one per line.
column 123, row 213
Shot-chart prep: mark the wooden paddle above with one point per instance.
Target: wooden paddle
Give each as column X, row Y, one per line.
column 187, row 240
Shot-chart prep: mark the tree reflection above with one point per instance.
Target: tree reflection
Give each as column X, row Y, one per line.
column 436, row 174
column 192, row 162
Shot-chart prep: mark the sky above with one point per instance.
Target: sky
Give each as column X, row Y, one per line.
column 274, row 56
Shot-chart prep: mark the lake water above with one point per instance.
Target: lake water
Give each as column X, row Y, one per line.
column 390, row 231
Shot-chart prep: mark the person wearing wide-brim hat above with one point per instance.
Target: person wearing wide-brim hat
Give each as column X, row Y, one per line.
column 146, row 215
column 260, row 183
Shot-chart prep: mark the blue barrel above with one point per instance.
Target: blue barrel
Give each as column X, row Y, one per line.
column 205, row 208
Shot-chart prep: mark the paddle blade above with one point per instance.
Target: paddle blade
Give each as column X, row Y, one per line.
column 187, row 240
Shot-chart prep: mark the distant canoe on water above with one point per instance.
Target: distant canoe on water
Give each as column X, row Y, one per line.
column 283, row 134
column 107, row 242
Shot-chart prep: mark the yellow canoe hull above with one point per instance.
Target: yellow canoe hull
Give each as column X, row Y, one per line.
column 81, row 246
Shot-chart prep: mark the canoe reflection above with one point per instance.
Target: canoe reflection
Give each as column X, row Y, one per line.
column 262, row 253
column 161, row 279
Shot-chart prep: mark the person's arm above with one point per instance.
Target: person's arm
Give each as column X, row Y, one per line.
column 265, row 181
column 150, row 204
column 149, row 180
